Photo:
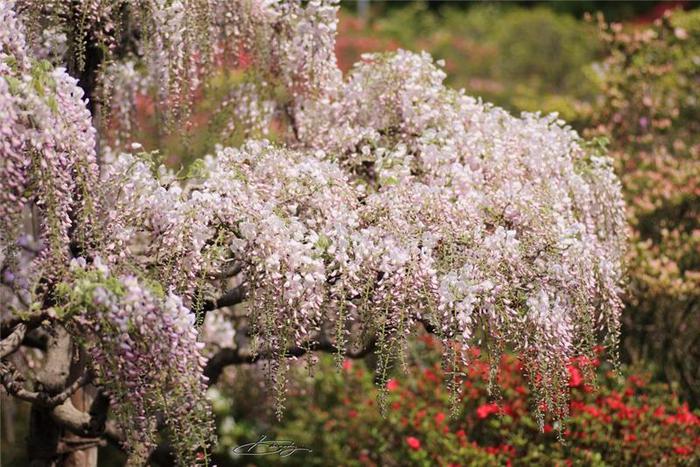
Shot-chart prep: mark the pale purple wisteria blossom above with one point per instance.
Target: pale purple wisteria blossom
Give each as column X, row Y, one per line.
column 395, row 202
column 144, row 350
column 48, row 145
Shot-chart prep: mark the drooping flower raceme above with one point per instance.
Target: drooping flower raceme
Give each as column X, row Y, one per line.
column 48, row 146
column 144, row 349
column 520, row 242
column 396, row 201
column 289, row 43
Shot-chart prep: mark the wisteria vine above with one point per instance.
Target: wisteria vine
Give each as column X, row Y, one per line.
column 395, row 201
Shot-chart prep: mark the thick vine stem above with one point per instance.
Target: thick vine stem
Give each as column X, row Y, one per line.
column 30, row 321
column 232, row 297
column 229, row 356
column 11, row 381
column 83, row 424
column 13, row 341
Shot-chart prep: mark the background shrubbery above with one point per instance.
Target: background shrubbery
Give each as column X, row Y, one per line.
column 648, row 109
column 535, row 59
column 621, row 421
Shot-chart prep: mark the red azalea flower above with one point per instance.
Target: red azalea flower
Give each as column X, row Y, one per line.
column 392, row 385
column 575, row 378
column 485, row 410
column 429, row 375
column 682, row 450
column 413, row 443
column 439, row 418
column 660, row 411
column 636, row 380
column 508, row 410
column 685, row 416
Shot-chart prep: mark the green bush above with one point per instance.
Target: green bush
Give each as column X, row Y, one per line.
column 620, row 422
column 521, row 59
column 650, row 111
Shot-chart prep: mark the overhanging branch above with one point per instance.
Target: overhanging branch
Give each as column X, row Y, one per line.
column 11, row 380
column 230, row 298
column 31, row 321
column 13, row 341
column 228, row 356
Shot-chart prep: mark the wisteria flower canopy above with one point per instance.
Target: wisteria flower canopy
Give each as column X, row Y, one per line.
column 392, row 202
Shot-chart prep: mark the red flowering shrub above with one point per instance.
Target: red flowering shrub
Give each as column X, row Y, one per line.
column 413, row 443
column 620, row 421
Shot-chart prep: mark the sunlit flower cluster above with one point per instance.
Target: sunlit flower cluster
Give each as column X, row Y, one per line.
column 48, row 144
column 155, row 224
column 511, row 227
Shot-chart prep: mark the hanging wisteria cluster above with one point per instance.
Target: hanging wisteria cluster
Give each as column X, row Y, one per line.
column 48, row 147
column 395, row 202
column 177, row 42
column 144, row 349
column 49, row 171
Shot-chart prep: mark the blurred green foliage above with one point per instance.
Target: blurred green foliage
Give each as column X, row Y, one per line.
column 649, row 110
column 520, row 59
column 621, row 10
column 620, row 422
